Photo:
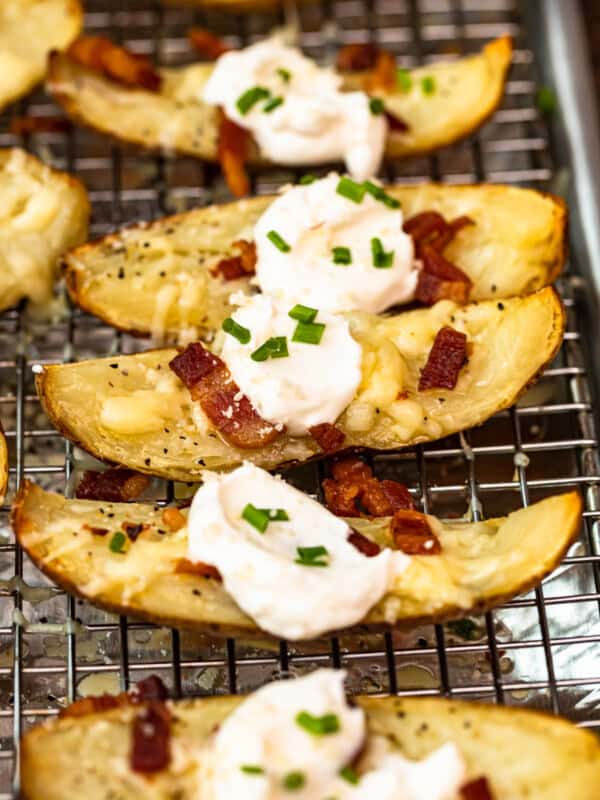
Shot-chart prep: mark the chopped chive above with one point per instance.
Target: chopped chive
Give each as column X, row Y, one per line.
column 379, row 193
column 309, row 332
column 284, row 74
column 312, row 556
column 293, row 781
column 279, row 243
column 236, row 330
column 306, row 180
column 303, row 313
column 272, row 104
column 351, row 190
column 276, row 514
column 252, row 769
column 546, row 100
column 381, row 259
column 275, row 347
column 376, row 106
column 250, row 97
column 404, row 80
column 117, row 542
column 349, row 774
column 428, row 84
column 257, row 517
column 318, row 726
column 341, row 255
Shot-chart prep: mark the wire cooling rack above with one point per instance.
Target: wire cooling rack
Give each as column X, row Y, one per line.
column 541, row 650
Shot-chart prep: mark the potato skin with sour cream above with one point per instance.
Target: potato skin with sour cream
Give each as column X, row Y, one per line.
column 481, row 564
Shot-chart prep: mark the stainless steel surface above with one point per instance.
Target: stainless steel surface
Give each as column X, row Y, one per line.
column 541, row 650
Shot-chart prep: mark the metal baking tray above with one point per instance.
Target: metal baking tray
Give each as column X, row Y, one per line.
column 543, row 649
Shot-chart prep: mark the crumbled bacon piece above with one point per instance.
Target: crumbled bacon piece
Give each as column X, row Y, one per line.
column 382, row 498
column 357, row 57
column 351, row 469
column 354, row 490
column 396, row 123
column 185, row 567
column 382, row 76
column 133, row 529
column 327, row 436
column 412, row 534
column 151, row 739
column 232, row 152
column 114, row 485
column 210, row 383
column 117, row 63
column 173, row 519
column 207, row 43
column 94, row 530
column 149, row 689
column 238, row 266
column 446, row 358
column 21, row 126
column 478, row 789
column 363, row 544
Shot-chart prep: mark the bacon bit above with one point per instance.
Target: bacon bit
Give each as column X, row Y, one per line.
column 237, row 266
column 383, row 74
column 327, row 436
column 117, row 63
column 151, row 739
column 447, row 357
column 21, row 126
column 207, row 43
column 396, row 122
column 185, row 567
column 364, row 545
column 149, row 689
column 353, row 489
column 133, row 529
column 412, row 534
column 357, row 57
column 232, row 153
column 173, row 519
column 351, row 469
column 210, row 383
column 114, row 485
column 95, row 531
column 478, row 789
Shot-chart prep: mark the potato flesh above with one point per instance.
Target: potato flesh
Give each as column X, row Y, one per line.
column 515, row 247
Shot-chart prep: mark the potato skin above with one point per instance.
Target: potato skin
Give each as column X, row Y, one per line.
column 512, row 554
column 524, row 754
column 517, row 245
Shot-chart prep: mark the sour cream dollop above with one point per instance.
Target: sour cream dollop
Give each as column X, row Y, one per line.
column 261, row 744
column 313, row 121
column 312, row 385
column 315, row 221
column 261, row 570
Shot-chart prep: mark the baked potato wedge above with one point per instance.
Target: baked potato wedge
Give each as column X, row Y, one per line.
column 516, row 246
column 29, row 31
column 132, row 410
column 43, row 212
column 3, row 465
column 468, row 90
column 481, row 564
column 524, row 754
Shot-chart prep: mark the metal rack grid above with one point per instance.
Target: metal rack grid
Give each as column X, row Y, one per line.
column 540, row 650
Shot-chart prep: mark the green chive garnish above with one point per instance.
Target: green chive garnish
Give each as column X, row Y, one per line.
column 546, row 100
column 341, row 255
column 275, row 347
column 318, row 726
column 349, row 774
column 293, row 781
column 404, row 80
column 309, row 332
column 428, row 84
column 303, row 313
column 381, row 259
column 351, row 190
column 305, row 180
column 236, row 330
column 257, row 517
column 117, row 542
column 279, row 243
column 376, row 106
column 284, row 74
column 380, row 194
column 250, row 97
column 312, row 556
column 276, row 514
column 272, row 104
column 252, row 769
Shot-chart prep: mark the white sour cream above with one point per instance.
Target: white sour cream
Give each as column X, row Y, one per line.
column 315, row 219
column 314, row 384
column 263, row 733
column 259, row 570
column 316, row 122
